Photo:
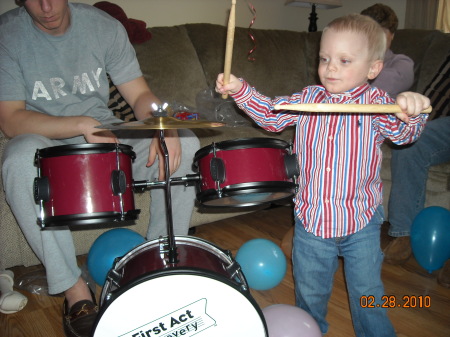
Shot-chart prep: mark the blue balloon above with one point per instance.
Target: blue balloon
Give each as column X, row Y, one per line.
column 430, row 237
column 262, row 262
column 107, row 247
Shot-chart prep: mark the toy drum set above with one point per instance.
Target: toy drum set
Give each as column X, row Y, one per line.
column 90, row 184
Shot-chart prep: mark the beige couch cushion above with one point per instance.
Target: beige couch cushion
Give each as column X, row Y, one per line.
column 180, row 77
column 274, row 71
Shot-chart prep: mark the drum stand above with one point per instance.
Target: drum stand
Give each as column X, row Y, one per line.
column 172, row 249
column 170, row 232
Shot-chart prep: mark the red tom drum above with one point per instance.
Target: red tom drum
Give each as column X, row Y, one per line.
column 245, row 172
column 84, row 184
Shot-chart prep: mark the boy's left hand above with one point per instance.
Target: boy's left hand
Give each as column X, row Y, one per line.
column 412, row 104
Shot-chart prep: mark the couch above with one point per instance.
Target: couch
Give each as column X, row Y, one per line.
column 181, row 64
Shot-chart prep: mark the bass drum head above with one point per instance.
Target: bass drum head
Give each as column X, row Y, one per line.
column 180, row 303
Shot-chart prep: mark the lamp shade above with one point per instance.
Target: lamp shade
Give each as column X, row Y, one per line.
column 323, row 4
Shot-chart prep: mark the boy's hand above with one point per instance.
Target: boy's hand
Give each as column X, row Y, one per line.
column 412, row 104
column 233, row 87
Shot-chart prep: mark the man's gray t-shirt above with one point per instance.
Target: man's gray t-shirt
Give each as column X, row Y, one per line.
column 65, row 75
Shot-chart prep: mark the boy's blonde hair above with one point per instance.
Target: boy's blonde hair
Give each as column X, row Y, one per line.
column 365, row 25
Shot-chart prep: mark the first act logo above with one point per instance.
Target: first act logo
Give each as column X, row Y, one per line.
column 185, row 321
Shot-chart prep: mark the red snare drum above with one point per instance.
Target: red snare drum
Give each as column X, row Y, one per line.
column 204, row 294
column 84, row 184
column 245, row 172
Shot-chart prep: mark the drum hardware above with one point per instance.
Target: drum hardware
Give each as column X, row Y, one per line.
column 161, row 123
column 217, row 170
column 119, row 183
column 292, row 166
column 41, row 189
column 160, row 110
column 141, row 185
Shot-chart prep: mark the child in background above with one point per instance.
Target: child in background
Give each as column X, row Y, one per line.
column 338, row 206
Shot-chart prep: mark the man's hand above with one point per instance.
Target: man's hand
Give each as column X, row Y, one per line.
column 173, row 145
column 95, row 135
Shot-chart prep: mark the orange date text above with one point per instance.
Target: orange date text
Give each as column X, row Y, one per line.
column 392, row 301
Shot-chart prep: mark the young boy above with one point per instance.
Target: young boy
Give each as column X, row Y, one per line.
column 338, row 207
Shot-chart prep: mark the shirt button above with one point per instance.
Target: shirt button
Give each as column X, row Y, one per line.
column 328, row 169
column 330, row 137
column 327, row 201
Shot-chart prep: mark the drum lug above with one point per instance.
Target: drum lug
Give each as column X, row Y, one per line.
column 234, row 269
column 41, row 189
column 291, row 165
column 118, row 182
column 114, row 276
column 217, row 169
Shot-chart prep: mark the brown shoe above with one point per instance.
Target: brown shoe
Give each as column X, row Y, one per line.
column 398, row 251
column 443, row 277
column 79, row 320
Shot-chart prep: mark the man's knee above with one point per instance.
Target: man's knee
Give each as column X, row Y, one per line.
column 25, row 145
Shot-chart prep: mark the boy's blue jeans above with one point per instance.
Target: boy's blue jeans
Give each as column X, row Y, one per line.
column 315, row 261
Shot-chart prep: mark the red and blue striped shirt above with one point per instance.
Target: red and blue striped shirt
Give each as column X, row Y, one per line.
column 339, row 155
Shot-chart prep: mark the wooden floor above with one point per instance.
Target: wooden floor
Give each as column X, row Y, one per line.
column 42, row 315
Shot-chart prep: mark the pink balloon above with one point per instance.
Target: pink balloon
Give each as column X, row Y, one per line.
column 285, row 320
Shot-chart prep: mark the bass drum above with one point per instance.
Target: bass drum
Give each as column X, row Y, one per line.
column 203, row 294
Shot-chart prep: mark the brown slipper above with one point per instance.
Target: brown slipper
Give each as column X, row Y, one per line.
column 79, row 320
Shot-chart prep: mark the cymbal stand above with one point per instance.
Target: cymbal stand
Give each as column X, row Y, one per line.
column 170, row 232
column 160, row 111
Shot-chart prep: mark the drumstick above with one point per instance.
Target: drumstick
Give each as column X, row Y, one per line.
column 346, row 108
column 229, row 46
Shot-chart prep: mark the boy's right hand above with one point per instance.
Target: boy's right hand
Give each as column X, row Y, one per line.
column 231, row 88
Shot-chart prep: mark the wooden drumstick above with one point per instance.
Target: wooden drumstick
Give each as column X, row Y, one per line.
column 346, row 108
column 229, row 46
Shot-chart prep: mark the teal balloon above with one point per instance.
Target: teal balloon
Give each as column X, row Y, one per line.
column 430, row 237
column 107, row 247
column 262, row 262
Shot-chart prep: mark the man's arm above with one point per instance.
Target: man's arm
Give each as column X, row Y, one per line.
column 15, row 119
column 139, row 96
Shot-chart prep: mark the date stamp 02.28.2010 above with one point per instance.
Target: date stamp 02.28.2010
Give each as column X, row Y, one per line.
column 392, row 301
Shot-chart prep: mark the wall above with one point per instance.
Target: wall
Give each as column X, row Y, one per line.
column 270, row 14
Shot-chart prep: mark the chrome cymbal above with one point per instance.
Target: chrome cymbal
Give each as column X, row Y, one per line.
column 161, row 123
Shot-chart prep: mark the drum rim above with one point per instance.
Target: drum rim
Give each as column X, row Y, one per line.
column 119, row 264
column 241, row 144
column 80, row 149
column 247, row 188
column 121, row 261
column 87, row 219
column 177, row 271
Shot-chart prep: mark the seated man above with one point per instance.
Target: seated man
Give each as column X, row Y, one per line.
column 54, row 61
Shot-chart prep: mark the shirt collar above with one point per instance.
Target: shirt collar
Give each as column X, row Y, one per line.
column 347, row 96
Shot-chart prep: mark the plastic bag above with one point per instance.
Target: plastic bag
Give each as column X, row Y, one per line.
column 181, row 111
column 211, row 106
column 35, row 281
